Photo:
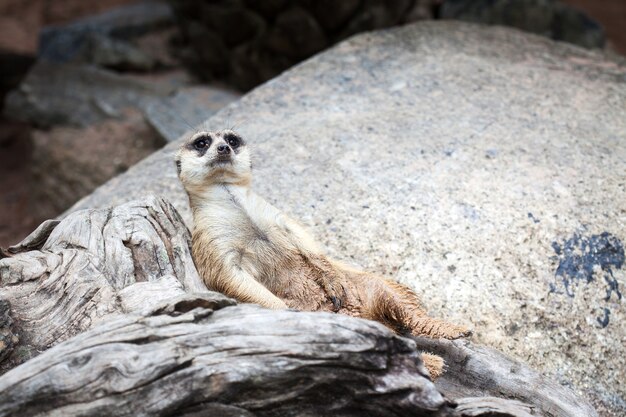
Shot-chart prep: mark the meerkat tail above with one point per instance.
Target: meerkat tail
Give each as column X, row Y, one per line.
column 438, row 329
column 434, row 364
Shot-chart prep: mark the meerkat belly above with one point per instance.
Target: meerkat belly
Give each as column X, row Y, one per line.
column 264, row 254
column 275, row 262
column 303, row 290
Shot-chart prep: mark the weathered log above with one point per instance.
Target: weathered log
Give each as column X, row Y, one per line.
column 135, row 331
column 490, row 406
column 8, row 338
column 66, row 277
column 264, row 362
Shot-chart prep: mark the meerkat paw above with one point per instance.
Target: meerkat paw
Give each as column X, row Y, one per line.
column 335, row 293
column 337, row 303
column 438, row 329
column 329, row 279
column 434, row 364
column 276, row 304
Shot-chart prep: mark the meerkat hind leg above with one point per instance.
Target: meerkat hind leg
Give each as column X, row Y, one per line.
column 398, row 307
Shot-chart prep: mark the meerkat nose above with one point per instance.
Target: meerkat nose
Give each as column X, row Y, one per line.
column 223, row 149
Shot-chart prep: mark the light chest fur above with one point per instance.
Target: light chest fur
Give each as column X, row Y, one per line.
column 239, row 229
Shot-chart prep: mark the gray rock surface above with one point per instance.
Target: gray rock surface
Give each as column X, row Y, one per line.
column 482, row 166
column 187, row 108
column 106, row 52
column 64, row 43
column 78, row 95
column 83, row 95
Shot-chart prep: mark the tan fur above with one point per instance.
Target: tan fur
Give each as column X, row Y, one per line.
column 246, row 248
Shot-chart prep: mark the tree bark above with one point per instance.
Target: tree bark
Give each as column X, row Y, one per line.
column 185, row 356
column 68, row 276
column 104, row 312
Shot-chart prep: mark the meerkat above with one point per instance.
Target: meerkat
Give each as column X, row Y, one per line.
column 246, row 248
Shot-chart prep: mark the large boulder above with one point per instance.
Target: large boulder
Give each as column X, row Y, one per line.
column 482, row 166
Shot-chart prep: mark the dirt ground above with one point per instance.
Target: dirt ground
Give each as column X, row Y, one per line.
column 16, row 220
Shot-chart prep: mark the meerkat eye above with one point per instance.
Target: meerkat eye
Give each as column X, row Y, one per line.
column 200, row 143
column 232, row 140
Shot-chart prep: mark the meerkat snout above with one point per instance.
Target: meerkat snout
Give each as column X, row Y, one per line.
column 212, row 158
column 223, row 149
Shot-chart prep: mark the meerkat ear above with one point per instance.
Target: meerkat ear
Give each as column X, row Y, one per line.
column 178, row 166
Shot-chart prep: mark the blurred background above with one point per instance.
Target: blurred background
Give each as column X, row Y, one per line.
column 88, row 89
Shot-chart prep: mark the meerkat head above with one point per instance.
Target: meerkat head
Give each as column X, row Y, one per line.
column 208, row 158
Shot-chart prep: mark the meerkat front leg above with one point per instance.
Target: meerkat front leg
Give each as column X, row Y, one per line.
column 243, row 287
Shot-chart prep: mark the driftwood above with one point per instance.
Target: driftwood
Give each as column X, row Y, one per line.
column 244, row 357
column 109, row 315
column 66, row 277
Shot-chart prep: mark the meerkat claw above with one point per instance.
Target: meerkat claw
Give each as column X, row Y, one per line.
column 336, row 303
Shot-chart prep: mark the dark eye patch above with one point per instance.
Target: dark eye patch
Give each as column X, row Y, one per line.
column 201, row 144
column 233, row 140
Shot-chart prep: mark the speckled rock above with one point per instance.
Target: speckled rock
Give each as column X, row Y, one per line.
column 190, row 106
column 482, row 166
